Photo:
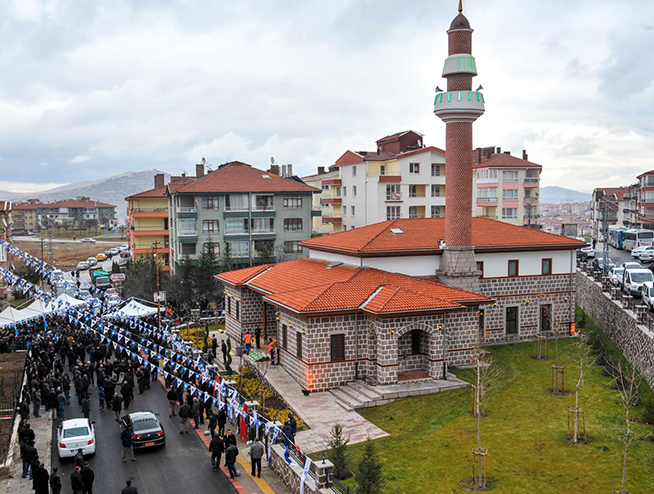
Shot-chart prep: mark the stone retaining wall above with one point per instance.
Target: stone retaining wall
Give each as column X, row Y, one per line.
column 291, row 474
column 634, row 340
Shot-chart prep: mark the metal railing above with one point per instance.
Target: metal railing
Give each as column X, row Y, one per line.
column 187, row 233
column 149, row 210
column 531, row 180
column 394, row 197
column 487, row 199
column 186, row 210
column 386, row 173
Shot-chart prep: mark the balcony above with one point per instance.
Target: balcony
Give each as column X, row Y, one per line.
column 187, row 233
column 383, row 173
column 394, row 197
column 530, row 183
column 187, row 212
column 331, row 200
column 335, row 181
column 487, row 201
column 332, row 219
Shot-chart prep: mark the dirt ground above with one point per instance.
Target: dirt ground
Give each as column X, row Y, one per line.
column 66, row 255
column 10, row 364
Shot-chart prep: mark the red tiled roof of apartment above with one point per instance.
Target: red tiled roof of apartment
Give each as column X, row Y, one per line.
column 421, row 150
column 651, row 172
column 348, row 157
column 240, row 177
column 5, row 205
column 503, row 160
column 25, row 206
column 425, row 234
column 179, row 183
column 156, row 193
column 72, row 203
column 314, row 286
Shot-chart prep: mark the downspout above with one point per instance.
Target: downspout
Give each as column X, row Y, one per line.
column 571, row 307
column 444, row 350
column 356, row 346
column 250, row 246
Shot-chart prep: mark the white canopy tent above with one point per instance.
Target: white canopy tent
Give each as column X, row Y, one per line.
column 136, row 309
column 12, row 316
column 37, row 308
column 67, row 300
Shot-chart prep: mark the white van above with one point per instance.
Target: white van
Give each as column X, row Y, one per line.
column 633, row 279
column 647, row 291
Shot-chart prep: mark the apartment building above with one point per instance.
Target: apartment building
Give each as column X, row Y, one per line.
column 644, row 193
column 26, row 217
column 328, row 202
column 244, row 214
column 506, row 187
column 604, row 206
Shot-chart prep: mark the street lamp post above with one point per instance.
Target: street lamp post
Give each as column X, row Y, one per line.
column 155, row 246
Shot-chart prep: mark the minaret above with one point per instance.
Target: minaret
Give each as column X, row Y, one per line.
column 459, row 107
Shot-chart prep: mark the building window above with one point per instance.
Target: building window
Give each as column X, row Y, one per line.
column 211, row 247
column 236, row 202
column 354, row 191
column 435, row 170
column 344, row 191
column 209, row 203
column 338, row 192
column 436, row 212
column 413, row 211
column 188, row 249
column 239, row 248
column 352, row 210
column 263, row 203
column 546, row 317
column 299, row 344
column 513, row 268
column 325, row 187
column 481, row 313
column 354, row 171
column 509, row 213
column 210, row 226
column 414, row 168
column 292, row 202
column 510, row 194
column 229, row 304
column 511, row 320
column 547, row 266
column 238, row 310
column 413, row 191
column 186, row 227
column 435, row 190
column 292, row 247
column 480, row 267
column 237, row 225
column 382, row 170
column 292, row 224
column 393, row 193
column 284, row 336
column 510, row 176
column 415, row 341
column 392, row 212
column 337, row 347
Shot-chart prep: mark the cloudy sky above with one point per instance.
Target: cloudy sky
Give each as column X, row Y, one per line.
column 93, row 88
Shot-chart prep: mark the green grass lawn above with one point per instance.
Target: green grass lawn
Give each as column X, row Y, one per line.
column 429, row 449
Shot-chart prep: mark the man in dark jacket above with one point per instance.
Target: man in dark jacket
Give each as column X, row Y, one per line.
column 223, row 348
column 88, row 476
column 172, row 401
column 293, row 423
column 55, row 482
column 117, row 406
column 126, row 438
column 86, row 407
column 76, row 481
column 184, row 414
column 41, row 478
column 230, row 458
column 79, row 458
column 27, row 454
column 127, row 391
column 130, row 489
column 216, row 448
column 256, row 453
column 222, row 420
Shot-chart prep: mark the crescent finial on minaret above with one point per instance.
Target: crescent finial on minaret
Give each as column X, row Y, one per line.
column 460, row 6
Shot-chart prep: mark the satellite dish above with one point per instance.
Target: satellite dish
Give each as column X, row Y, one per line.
column 204, row 161
column 272, row 160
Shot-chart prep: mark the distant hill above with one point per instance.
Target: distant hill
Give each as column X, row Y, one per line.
column 112, row 190
column 553, row 195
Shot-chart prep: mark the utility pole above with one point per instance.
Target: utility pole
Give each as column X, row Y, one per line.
column 42, row 263
column 155, row 246
column 605, row 232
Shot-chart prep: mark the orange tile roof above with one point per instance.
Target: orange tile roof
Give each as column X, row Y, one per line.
column 425, row 235
column 503, row 160
column 156, row 193
column 72, row 203
column 240, row 177
column 312, row 286
column 5, row 206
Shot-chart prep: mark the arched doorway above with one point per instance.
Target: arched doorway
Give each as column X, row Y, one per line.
column 420, row 352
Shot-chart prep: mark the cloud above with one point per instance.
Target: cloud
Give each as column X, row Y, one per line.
column 80, row 158
column 28, row 186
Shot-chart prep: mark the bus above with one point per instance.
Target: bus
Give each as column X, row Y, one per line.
column 636, row 238
column 616, row 236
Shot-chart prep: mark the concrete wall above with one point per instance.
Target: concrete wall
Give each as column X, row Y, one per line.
column 634, row 340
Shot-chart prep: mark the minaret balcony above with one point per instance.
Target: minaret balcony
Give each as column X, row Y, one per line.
column 459, row 106
column 461, row 63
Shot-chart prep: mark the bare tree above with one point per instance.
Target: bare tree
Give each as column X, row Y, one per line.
column 583, row 354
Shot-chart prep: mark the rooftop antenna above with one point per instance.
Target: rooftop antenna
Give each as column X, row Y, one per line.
column 272, row 160
column 204, row 161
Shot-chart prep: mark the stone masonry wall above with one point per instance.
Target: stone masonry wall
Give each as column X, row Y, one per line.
column 635, row 341
column 527, row 293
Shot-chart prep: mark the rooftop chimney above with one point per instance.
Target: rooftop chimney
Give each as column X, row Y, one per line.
column 159, row 180
column 525, row 155
column 199, row 170
column 499, row 150
column 274, row 169
column 507, row 152
column 321, row 170
column 289, row 169
column 284, row 171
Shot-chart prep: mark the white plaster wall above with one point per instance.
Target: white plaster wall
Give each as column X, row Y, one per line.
column 411, row 266
column 497, row 264
column 359, row 202
column 332, row 257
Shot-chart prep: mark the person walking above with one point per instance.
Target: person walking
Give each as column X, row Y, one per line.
column 76, row 481
column 101, row 397
column 128, row 392
column 129, row 488
column 222, row 420
column 214, row 346
column 230, row 458
column 256, row 453
column 88, row 476
column 184, row 414
column 216, row 448
column 86, row 407
column 41, row 478
column 172, row 401
column 117, row 406
column 128, row 444
column 257, row 337
column 55, row 482
column 223, row 349
column 61, row 401
column 248, row 343
column 271, row 350
column 293, row 423
column 36, row 401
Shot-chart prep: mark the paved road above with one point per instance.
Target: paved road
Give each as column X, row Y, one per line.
column 115, row 242
column 182, row 466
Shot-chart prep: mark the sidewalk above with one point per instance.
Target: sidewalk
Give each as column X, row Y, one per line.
column 42, row 427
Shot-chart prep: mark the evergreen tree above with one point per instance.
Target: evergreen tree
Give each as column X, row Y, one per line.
column 115, row 268
column 204, row 283
column 337, row 454
column 369, row 477
column 141, row 278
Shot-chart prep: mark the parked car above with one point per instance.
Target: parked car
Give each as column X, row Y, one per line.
column 83, row 295
column 147, row 430
column 124, row 247
column 587, row 252
column 647, row 292
column 598, row 264
column 88, row 240
column 101, row 257
column 615, row 275
column 75, row 434
column 83, row 265
column 108, row 254
column 631, row 265
column 125, row 254
column 647, row 254
column 114, row 251
column 111, row 291
column 633, row 279
column 92, row 261
column 57, row 274
column 635, row 252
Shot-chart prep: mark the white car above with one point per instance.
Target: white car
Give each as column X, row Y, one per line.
column 588, row 252
column 615, row 275
column 114, row 251
column 92, row 261
column 646, row 254
column 75, row 434
column 82, row 265
column 633, row 279
column 647, row 292
column 113, row 300
column 88, row 240
column 637, row 250
column 631, row 265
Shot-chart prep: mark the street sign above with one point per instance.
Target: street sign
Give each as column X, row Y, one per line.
column 117, row 277
column 159, row 296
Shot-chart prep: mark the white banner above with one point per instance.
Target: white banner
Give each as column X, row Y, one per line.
column 307, row 466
